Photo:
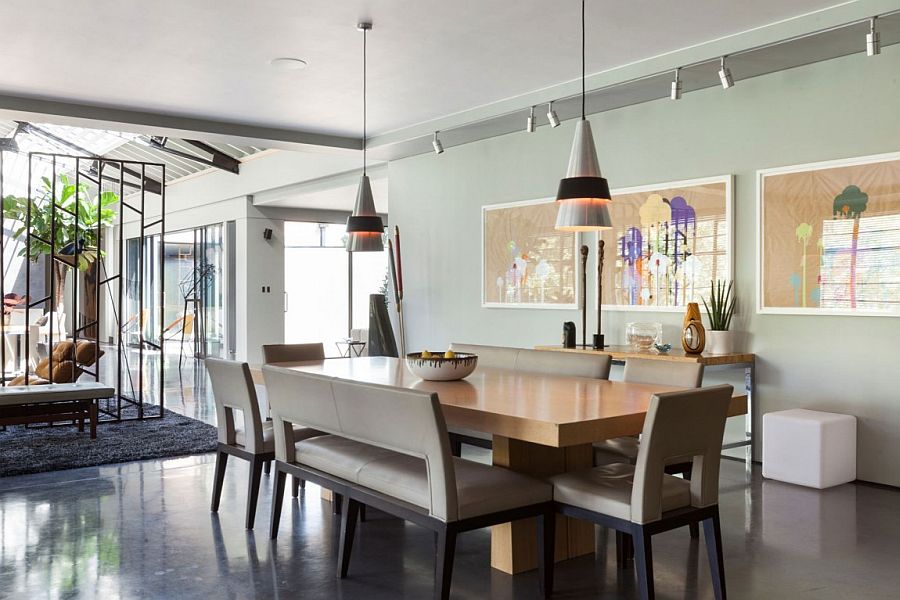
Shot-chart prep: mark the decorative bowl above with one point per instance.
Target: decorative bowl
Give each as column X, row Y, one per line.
column 642, row 336
column 438, row 368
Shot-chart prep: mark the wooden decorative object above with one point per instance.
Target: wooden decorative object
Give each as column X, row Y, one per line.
column 693, row 334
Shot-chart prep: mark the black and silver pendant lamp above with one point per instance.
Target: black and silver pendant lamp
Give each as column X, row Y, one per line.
column 364, row 227
column 583, row 194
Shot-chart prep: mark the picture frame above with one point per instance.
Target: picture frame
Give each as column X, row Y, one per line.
column 525, row 261
column 834, row 227
column 704, row 227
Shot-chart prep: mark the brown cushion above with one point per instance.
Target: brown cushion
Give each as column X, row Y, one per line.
column 33, row 380
column 86, row 353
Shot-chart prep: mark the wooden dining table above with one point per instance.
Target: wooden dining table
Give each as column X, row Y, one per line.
column 542, row 425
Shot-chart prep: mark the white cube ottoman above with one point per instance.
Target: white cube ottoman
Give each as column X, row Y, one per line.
column 808, row 447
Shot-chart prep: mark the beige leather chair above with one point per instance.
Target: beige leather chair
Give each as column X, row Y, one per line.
column 643, row 370
column 642, row 500
column 253, row 441
column 276, row 353
column 393, row 453
column 568, row 364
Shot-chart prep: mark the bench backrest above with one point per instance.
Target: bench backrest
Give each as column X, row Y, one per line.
column 406, row 421
column 663, row 372
column 568, row 364
column 275, row 353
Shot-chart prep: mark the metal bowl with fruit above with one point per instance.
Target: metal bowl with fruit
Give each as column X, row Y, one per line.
column 441, row 366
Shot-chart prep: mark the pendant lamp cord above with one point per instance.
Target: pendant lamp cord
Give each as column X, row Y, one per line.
column 365, row 34
column 582, row 59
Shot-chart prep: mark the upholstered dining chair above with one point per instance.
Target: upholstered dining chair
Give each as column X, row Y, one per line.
column 277, row 353
column 642, row 500
column 566, row 364
column 252, row 441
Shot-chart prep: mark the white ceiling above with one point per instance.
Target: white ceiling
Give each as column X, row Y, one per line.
column 427, row 58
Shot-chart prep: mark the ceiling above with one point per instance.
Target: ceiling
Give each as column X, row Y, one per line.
column 427, row 58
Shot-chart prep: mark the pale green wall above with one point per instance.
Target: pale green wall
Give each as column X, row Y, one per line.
column 842, row 108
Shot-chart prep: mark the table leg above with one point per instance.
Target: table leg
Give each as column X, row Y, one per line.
column 514, row 545
column 94, row 412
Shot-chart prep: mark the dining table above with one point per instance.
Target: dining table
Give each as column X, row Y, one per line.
column 541, row 425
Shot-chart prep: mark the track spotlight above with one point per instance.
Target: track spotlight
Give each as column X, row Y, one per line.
column 725, row 76
column 676, row 85
column 552, row 116
column 529, row 124
column 437, row 145
column 873, row 40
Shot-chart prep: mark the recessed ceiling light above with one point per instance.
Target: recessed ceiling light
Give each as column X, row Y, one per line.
column 288, row 64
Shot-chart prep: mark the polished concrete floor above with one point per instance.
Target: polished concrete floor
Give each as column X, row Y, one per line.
column 144, row 530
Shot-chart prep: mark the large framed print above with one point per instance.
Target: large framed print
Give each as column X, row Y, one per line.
column 668, row 243
column 526, row 262
column 829, row 237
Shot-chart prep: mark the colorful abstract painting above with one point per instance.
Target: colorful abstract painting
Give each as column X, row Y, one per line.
column 668, row 243
column 830, row 237
column 526, row 261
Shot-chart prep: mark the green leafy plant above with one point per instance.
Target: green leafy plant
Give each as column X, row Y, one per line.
column 720, row 308
column 74, row 235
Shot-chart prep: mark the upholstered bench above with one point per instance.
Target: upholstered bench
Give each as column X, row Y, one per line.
column 53, row 402
column 808, row 447
column 388, row 448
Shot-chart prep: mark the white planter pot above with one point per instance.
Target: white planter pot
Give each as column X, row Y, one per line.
column 719, row 342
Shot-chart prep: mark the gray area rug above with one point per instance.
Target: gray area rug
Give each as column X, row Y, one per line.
column 37, row 449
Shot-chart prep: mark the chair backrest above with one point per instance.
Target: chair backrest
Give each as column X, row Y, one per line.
column 663, row 372
column 275, row 353
column 233, row 390
column 496, row 357
column 680, row 426
column 569, row 364
column 566, row 364
column 406, row 421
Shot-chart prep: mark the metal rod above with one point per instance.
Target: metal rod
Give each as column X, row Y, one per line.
column 28, row 269
column 162, row 290
column 121, row 310
column 53, row 306
column 3, row 280
column 141, row 310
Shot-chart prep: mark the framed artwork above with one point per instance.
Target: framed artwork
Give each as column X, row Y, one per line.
column 829, row 237
column 526, row 262
column 668, row 243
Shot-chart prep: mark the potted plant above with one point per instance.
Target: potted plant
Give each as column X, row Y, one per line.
column 720, row 309
column 80, row 253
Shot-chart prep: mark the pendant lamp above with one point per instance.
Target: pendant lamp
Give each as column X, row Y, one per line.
column 364, row 227
column 583, row 195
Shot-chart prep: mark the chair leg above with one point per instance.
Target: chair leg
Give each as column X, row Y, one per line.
column 256, row 469
column 624, row 550
column 221, row 462
column 295, row 488
column 713, row 536
column 268, row 467
column 336, row 501
column 695, row 530
column 455, row 446
column 446, row 550
column 643, row 561
column 546, row 530
column 349, row 515
column 362, row 513
column 277, row 500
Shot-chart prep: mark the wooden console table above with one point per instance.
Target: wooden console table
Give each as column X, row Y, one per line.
column 744, row 360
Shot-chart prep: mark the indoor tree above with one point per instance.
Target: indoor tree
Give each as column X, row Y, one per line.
column 75, row 232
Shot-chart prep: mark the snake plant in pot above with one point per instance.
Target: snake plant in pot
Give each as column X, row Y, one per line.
column 720, row 309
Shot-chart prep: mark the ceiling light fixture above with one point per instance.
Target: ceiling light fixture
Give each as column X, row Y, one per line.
column 288, row 64
column 583, row 194
column 676, row 85
column 725, row 75
column 552, row 116
column 529, row 123
column 873, row 40
column 364, row 226
column 437, row 145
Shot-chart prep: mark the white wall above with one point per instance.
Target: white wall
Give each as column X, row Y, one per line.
column 841, row 108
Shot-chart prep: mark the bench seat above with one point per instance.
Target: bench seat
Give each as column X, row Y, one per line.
column 46, row 403
column 54, row 392
column 481, row 489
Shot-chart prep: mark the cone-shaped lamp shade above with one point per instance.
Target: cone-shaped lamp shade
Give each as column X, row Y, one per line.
column 364, row 227
column 583, row 195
